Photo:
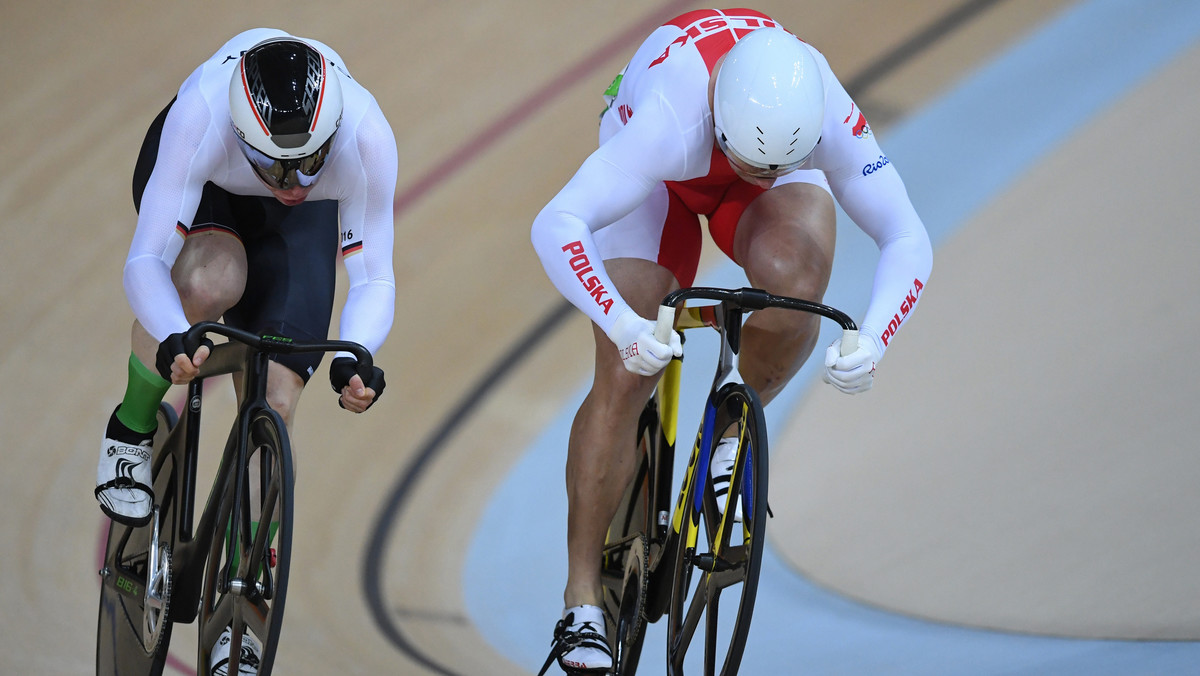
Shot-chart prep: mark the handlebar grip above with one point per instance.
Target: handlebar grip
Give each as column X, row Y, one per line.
column 849, row 342
column 665, row 324
column 365, row 369
column 194, row 337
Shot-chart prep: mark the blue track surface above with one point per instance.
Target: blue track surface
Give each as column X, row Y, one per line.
column 957, row 154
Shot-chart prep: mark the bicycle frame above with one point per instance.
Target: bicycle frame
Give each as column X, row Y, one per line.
column 663, row 520
column 190, row 541
column 726, row 318
column 183, row 447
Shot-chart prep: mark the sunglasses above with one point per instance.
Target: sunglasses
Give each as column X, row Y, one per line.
column 286, row 174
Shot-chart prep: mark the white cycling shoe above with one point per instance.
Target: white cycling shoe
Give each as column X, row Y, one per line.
column 580, row 644
column 123, row 475
column 248, row 660
column 720, row 469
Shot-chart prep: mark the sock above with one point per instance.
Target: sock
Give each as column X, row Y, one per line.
column 143, row 393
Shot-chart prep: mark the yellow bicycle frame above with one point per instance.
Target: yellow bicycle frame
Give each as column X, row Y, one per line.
column 668, row 406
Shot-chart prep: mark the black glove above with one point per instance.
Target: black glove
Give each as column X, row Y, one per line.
column 172, row 346
column 342, row 369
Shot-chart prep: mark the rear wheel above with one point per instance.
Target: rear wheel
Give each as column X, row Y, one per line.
column 719, row 557
column 245, row 580
column 625, row 607
column 133, row 631
column 625, row 565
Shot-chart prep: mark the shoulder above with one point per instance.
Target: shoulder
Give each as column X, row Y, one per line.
column 211, row 79
column 231, row 51
column 328, row 52
column 364, row 154
column 827, row 76
column 666, row 81
column 364, row 122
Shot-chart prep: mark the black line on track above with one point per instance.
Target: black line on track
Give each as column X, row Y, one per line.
column 922, row 40
column 375, row 556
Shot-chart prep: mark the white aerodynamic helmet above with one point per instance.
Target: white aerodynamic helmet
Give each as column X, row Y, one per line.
column 285, row 103
column 769, row 102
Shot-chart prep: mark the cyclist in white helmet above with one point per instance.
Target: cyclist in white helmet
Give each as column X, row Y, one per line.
column 270, row 161
column 726, row 115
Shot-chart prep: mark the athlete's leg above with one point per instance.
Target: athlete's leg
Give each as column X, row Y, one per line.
column 600, row 460
column 785, row 242
column 210, row 275
column 145, row 387
column 290, row 283
column 645, row 253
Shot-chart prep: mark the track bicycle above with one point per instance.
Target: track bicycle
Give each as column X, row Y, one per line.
column 659, row 561
column 228, row 567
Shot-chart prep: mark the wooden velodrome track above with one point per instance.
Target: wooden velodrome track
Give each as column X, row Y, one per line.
column 494, row 106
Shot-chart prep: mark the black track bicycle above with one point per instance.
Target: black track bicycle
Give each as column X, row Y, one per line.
column 681, row 563
column 226, row 567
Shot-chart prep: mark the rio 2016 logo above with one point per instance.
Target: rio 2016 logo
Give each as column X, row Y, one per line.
column 875, row 166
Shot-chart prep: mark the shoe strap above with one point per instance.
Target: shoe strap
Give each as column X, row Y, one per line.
column 565, row 641
column 124, row 482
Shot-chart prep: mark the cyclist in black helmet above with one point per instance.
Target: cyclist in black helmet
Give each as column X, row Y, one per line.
column 269, row 161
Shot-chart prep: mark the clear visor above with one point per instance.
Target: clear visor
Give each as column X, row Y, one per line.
column 752, row 169
column 287, row 174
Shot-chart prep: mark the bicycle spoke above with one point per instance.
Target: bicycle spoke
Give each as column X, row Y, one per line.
column 710, row 635
column 725, row 561
column 222, row 611
column 256, row 615
column 696, row 608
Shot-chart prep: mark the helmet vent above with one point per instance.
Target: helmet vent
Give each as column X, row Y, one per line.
column 768, row 82
column 284, row 100
column 291, row 140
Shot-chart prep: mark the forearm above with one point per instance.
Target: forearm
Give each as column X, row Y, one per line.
column 572, row 261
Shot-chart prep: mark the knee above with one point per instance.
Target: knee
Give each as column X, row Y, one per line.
column 284, row 387
column 623, row 384
column 616, row 387
column 798, row 273
column 785, row 241
column 283, row 404
column 205, row 294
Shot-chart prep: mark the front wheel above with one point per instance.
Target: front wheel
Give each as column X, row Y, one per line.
column 718, row 555
column 246, row 574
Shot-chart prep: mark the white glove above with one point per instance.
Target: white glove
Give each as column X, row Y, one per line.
column 853, row 373
column 642, row 353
